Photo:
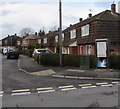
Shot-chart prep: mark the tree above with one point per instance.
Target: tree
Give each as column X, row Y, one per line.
column 26, row 31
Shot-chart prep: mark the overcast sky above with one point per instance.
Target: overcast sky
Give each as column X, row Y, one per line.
column 18, row 14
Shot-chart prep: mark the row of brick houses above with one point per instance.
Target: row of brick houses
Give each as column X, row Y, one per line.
column 80, row 37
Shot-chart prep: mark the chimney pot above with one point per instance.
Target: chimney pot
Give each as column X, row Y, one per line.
column 80, row 19
column 70, row 24
column 113, row 8
column 36, row 33
column 90, row 15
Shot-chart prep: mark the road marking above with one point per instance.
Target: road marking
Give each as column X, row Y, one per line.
column 22, row 90
column 85, row 84
column 89, row 87
column 58, row 76
column 46, row 91
column 24, row 93
column 101, row 83
column 68, row 89
column 115, row 82
column 107, row 85
column 1, row 95
column 1, row 92
column 65, row 86
column 44, row 88
column 72, row 77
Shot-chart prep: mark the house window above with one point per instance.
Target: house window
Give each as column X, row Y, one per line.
column 81, row 50
column 45, row 40
column 85, row 30
column 5, row 41
column 88, row 49
column 56, row 38
column 64, row 51
column 18, row 42
column 39, row 41
column 24, row 42
column 73, row 33
column 63, row 36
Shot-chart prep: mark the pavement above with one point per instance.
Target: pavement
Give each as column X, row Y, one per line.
column 28, row 65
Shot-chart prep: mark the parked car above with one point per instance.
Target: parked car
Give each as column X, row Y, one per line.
column 6, row 50
column 39, row 51
column 14, row 54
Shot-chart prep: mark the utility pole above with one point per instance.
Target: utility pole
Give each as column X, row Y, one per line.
column 60, row 32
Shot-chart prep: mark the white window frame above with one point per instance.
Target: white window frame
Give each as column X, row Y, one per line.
column 39, row 41
column 73, row 34
column 64, row 50
column 18, row 42
column 81, row 48
column 85, row 30
column 90, row 50
column 56, row 38
column 63, row 36
column 24, row 42
column 45, row 40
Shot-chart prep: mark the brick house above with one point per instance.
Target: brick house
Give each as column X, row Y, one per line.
column 49, row 40
column 30, row 40
column 80, row 38
column 10, row 40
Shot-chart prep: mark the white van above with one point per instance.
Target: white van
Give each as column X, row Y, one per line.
column 6, row 50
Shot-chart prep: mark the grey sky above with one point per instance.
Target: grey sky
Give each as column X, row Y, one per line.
column 17, row 14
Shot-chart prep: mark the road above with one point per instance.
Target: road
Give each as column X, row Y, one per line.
column 47, row 91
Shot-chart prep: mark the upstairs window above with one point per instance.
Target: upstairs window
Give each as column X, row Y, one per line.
column 56, row 38
column 39, row 41
column 73, row 33
column 45, row 40
column 85, row 30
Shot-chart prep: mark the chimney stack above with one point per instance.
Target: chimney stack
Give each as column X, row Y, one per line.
column 80, row 19
column 89, row 15
column 70, row 25
column 36, row 33
column 113, row 8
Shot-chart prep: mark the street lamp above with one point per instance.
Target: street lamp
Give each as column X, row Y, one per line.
column 60, row 32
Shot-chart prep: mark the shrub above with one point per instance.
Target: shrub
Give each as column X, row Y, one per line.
column 27, row 52
column 93, row 61
column 71, row 60
column 49, row 59
column 114, row 62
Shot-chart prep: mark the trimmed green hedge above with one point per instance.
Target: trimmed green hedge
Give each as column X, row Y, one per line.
column 71, row 60
column 114, row 62
column 27, row 52
column 49, row 59
column 68, row 60
column 75, row 60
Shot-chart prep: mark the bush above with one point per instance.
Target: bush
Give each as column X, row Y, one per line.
column 36, row 58
column 71, row 60
column 27, row 52
column 93, row 61
column 114, row 62
column 49, row 59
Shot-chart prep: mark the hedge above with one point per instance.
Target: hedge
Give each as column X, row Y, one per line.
column 27, row 52
column 68, row 60
column 49, row 59
column 114, row 62
column 71, row 60
column 75, row 60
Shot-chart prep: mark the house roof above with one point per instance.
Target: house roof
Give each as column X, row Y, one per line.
column 51, row 38
column 32, row 36
column 106, row 15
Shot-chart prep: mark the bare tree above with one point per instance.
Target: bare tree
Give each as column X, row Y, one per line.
column 26, row 31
